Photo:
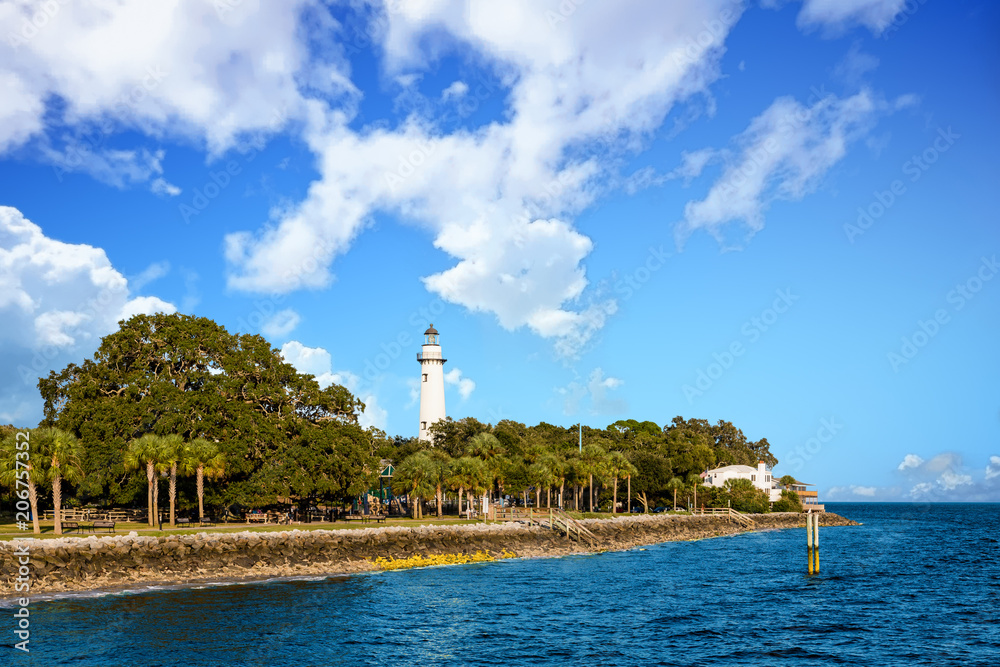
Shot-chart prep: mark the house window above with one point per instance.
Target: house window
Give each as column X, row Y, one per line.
column 425, row 377
column 753, row 478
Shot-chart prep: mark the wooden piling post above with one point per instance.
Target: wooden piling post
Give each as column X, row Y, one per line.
column 816, row 543
column 809, row 539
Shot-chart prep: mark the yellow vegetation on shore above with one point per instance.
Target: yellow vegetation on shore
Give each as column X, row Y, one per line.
column 391, row 563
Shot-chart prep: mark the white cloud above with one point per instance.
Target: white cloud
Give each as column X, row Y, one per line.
column 498, row 199
column 852, row 491
column 782, row 155
column 592, row 395
column 56, row 301
column 281, row 323
column 159, row 186
column 316, row 361
column 455, row 90
column 153, row 272
column 944, row 477
column 876, row 15
column 211, row 70
column 993, row 467
column 464, row 384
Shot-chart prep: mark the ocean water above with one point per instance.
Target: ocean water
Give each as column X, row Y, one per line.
column 916, row 584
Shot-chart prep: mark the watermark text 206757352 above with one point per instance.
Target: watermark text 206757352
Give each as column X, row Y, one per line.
column 22, row 583
column 22, row 487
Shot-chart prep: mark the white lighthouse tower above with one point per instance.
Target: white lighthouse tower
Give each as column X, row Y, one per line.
column 431, row 382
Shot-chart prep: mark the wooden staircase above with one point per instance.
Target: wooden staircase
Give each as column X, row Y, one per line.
column 729, row 513
column 551, row 518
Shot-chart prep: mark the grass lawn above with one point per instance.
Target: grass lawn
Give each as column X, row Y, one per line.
column 9, row 531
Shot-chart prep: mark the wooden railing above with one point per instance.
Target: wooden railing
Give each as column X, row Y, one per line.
column 552, row 518
column 727, row 512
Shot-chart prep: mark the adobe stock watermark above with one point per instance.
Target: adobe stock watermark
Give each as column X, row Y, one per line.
column 798, row 457
column 35, row 23
column 219, row 180
column 468, row 103
column 751, row 330
column 634, row 280
column 418, row 320
column 926, row 330
column 711, row 36
column 910, row 7
column 915, row 168
column 95, row 136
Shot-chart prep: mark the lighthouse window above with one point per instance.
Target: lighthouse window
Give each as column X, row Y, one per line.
column 425, row 377
column 423, row 426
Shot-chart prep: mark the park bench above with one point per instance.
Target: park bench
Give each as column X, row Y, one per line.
column 70, row 525
column 109, row 525
column 354, row 517
column 379, row 518
column 206, row 522
column 183, row 521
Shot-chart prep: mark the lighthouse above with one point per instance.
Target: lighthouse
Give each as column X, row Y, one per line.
column 431, row 382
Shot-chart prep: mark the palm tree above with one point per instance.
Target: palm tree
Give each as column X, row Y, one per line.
column 415, row 477
column 617, row 466
column 555, row 466
column 441, row 462
column 675, row 484
column 594, row 461
column 15, row 449
column 203, row 459
column 145, row 452
column 171, row 451
column 62, row 451
column 466, row 473
column 491, row 452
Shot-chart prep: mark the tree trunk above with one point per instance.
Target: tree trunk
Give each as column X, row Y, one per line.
column 562, row 489
column 156, row 500
column 460, row 489
column 173, row 491
column 440, row 511
column 200, row 481
column 57, row 502
column 548, row 498
column 614, row 498
column 628, row 507
column 33, row 500
column 538, row 497
column 413, row 508
column 675, row 497
column 150, row 477
column 591, row 492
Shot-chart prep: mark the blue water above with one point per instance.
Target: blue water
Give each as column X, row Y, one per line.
column 917, row 584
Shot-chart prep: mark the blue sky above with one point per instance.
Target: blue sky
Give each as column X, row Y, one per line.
column 781, row 214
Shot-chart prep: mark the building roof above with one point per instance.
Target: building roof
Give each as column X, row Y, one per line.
column 735, row 468
column 431, row 331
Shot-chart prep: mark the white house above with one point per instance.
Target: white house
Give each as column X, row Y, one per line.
column 760, row 477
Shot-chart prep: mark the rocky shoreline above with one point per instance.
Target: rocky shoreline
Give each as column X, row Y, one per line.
column 124, row 561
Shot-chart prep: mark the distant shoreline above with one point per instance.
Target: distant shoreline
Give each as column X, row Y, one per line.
column 115, row 564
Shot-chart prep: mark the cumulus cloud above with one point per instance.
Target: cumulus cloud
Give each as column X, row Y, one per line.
column 876, row 15
column 945, row 477
column 56, row 300
column 316, row 361
column 498, row 199
column 592, row 395
column 455, row 90
column 464, row 384
column 129, row 64
column 910, row 461
column 854, row 492
column 281, row 323
column 993, row 467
